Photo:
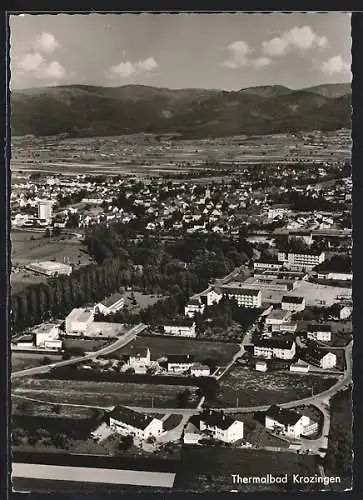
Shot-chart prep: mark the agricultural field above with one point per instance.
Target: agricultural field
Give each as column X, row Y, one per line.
column 102, row 394
column 20, row 406
column 20, row 361
column 209, row 469
column 161, row 346
column 256, row 388
column 84, row 345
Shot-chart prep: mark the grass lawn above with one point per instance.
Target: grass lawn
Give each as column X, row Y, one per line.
column 104, row 394
column 257, row 388
column 85, row 344
column 142, row 301
column 21, row 280
column 208, row 469
column 20, row 406
column 161, row 346
column 22, row 361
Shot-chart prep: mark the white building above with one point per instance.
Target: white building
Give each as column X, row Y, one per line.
column 180, row 363
column 277, row 319
column 335, row 276
column 288, row 422
column 293, row 303
column 261, row 366
column 266, row 265
column 299, row 367
column 328, row 361
column 218, row 425
column 181, row 328
column 275, row 348
column 78, row 321
column 319, row 332
column 50, row 268
column 111, row 304
column 194, row 307
column 139, row 361
column 212, row 295
column 199, row 370
column 345, row 312
column 245, row 297
column 128, row 422
column 45, row 210
column 47, row 337
column 301, row 261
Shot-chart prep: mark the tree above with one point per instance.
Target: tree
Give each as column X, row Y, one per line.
column 182, row 398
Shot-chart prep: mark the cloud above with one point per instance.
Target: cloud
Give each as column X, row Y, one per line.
column 128, row 68
column 46, row 42
column 335, row 64
column 53, row 70
column 238, row 52
column 262, row 62
column 30, row 62
column 300, row 38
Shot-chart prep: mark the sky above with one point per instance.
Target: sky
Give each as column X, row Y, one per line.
column 219, row 51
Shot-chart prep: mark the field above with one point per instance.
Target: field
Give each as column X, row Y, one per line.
column 256, row 388
column 21, row 361
column 101, row 394
column 210, row 469
column 20, row 406
column 161, row 346
column 29, row 246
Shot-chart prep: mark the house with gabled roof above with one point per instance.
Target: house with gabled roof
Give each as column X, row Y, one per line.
column 126, row 422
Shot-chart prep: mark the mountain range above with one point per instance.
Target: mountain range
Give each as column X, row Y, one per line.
column 83, row 110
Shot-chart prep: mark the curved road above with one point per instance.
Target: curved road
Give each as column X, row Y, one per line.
column 120, row 342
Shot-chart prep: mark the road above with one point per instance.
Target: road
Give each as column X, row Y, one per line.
column 120, row 342
column 93, row 475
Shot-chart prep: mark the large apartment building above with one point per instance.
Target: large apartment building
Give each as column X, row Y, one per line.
column 245, row 297
column 301, row 261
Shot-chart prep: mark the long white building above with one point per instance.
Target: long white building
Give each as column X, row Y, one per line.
column 245, row 297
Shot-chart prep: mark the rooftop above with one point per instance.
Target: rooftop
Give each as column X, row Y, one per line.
column 130, row 417
column 216, row 419
column 292, row 299
column 275, row 343
column 319, row 328
column 110, row 301
column 237, row 288
column 282, row 415
column 180, row 358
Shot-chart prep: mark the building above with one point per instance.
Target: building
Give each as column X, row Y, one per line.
column 265, row 265
column 179, row 363
column 192, row 433
column 50, row 268
column 47, row 337
column 245, row 297
column 293, row 303
column 111, row 304
column 181, row 328
column 319, row 358
column 210, row 296
column 275, row 348
column 261, row 366
column 45, row 210
column 319, row 332
column 200, row 370
column 276, row 320
column 194, row 307
column 299, row 367
column 287, row 422
column 219, row 426
column 78, row 321
column 139, row 361
column 128, row 422
column 345, row 313
column 334, row 276
column 26, row 341
column 307, row 238
column 301, row 261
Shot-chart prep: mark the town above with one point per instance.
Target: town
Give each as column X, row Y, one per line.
column 165, row 319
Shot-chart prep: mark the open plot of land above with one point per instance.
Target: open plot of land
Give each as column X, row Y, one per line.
column 102, row 394
column 161, row 346
column 211, row 468
column 28, row 246
column 85, row 345
column 20, row 361
column 20, row 406
column 318, row 295
column 137, row 301
column 256, row 388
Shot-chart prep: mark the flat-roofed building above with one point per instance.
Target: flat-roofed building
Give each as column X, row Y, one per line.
column 293, row 303
column 78, row 321
column 275, row 348
column 301, row 261
column 50, row 268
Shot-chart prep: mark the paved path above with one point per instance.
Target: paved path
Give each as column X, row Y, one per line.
column 93, row 475
column 120, row 342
